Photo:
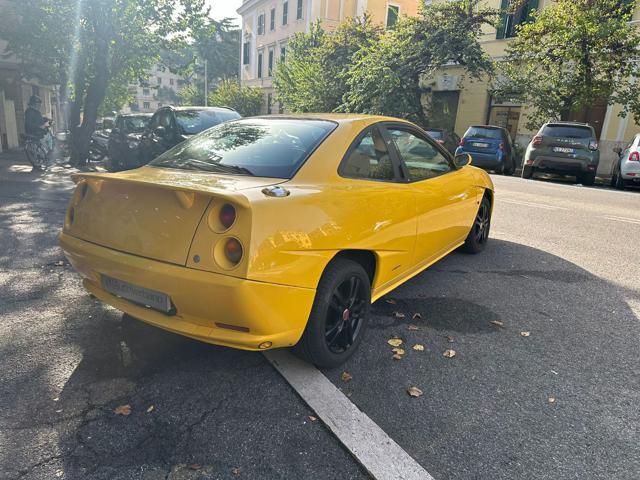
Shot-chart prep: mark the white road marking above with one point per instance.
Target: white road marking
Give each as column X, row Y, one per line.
column 378, row 453
column 530, row 204
column 622, row 219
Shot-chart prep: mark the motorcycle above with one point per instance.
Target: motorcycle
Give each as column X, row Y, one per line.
column 39, row 149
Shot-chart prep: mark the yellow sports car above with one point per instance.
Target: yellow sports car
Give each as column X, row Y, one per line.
column 276, row 231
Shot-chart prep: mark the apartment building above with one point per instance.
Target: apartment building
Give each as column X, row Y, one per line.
column 161, row 88
column 267, row 26
column 458, row 102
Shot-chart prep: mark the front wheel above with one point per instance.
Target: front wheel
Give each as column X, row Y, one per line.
column 339, row 315
column 479, row 234
column 617, row 181
column 527, row 172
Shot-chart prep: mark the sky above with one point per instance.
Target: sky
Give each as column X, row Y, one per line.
column 224, row 8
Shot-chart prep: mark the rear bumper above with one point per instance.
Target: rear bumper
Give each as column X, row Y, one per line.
column 485, row 160
column 560, row 164
column 258, row 312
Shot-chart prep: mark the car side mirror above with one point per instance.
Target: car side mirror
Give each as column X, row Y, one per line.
column 617, row 150
column 462, row 160
column 160, row 131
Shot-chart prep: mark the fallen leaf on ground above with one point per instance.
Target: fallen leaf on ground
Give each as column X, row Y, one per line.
column 236, row 471
column 552, row 400
column 449, row 338
column 419, row 348
column 346, row 376
column 449, row 353
column 398, row 351
column 497, row 323
column 416, row 316
column 312, row 418
column 123, row 410
column 525, row 334
column 398, row 315
column 394, row 342
column 414, row 391
column 390, row 301
column 412, row 327
column 397, row 357
column 195, row 466
column 60, row 263
column 150, row 409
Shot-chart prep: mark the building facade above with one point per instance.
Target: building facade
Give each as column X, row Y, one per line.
column 268, row 24
column 160, row 89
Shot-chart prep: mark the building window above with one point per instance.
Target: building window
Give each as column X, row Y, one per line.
column 146, row 105
column 285, row 12
column 510, row 21
column 159, row 104
column 269, row 102
column 261, row 24
column 272, row 20
column 299, row 10
column 134, row 106
column 393, row 14
column 283, row 53
column 260, row 65
column 246, row 56
column 159, row 80
column 145, row 92
column 171, row 81
column 270, row 64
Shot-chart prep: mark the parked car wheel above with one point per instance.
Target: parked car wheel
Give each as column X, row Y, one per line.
column 616, row 179
column 508, row 170
column 587, row 179
column 479, row 234
column 339, row 315
column 527, row 172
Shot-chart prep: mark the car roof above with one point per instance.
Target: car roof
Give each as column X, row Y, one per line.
column 196, row 107
column 491, row 127
column 340, row 118
column 568, row 124
column 135, row 114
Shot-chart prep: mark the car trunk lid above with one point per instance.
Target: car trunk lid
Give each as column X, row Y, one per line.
column 561, row 141
column 150, row 212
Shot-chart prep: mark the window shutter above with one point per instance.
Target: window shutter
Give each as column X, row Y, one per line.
column 503, row 20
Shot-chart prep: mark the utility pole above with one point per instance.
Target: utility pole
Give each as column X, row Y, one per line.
column 206, row 89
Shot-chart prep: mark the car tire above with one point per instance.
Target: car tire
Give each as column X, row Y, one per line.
column 509, row 171
column 478, row 236
column 527, row 172
column 338, row 318
column 587, row 179
column 617, row 181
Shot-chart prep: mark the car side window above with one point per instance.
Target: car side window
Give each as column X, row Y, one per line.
column 422, row 159
column 154, row 122
column 369, row 159
column 165, row 119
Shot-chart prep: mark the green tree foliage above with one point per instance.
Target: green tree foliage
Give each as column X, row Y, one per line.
column 103, row 43
column 387, row 76
column 247, row 101
column 191, row 95
column 576, row 53
column 314, row 76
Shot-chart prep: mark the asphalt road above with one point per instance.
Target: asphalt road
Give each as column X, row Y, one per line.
column 562, row 265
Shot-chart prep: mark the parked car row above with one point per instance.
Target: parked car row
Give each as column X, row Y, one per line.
column 136, row 139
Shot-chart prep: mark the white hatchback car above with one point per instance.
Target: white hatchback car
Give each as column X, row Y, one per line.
column 626, row 170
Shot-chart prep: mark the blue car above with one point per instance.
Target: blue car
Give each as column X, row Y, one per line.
column 490, row 148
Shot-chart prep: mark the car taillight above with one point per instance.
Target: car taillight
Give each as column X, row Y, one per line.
column 227, row 215
column 537, row 140
column 593, row 145
column 233, row 250
column 634, row 157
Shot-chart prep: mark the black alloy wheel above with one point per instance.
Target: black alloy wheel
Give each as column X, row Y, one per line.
column 479, row 233
column 344, row 315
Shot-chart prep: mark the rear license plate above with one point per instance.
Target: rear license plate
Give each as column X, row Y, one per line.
column 136, row 294
column 563, row 149
column 480, row 145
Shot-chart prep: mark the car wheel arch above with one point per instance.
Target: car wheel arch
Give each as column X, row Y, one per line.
column 366, row 258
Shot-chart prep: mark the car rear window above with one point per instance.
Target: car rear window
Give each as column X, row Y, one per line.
column 257, row 146
column 195, row 121
column 436, row 134
column 484, row 132
column 567, row 131
column 136, row 124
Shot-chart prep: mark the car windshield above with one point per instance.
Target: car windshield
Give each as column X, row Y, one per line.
column 135, row 124
column 484, row 132
column 196, row 121
column 258, row 146
column 567, row 131
column 436, row 134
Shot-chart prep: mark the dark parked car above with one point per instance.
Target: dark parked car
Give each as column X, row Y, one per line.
column 566, row 148
column 124, row 141
column 490, row 148
column 170, row 126
column 447, row 139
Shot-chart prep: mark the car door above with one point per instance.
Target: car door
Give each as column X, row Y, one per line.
column 162, row 143
column 386, row 219
column 446, row 202
column 115, row 139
